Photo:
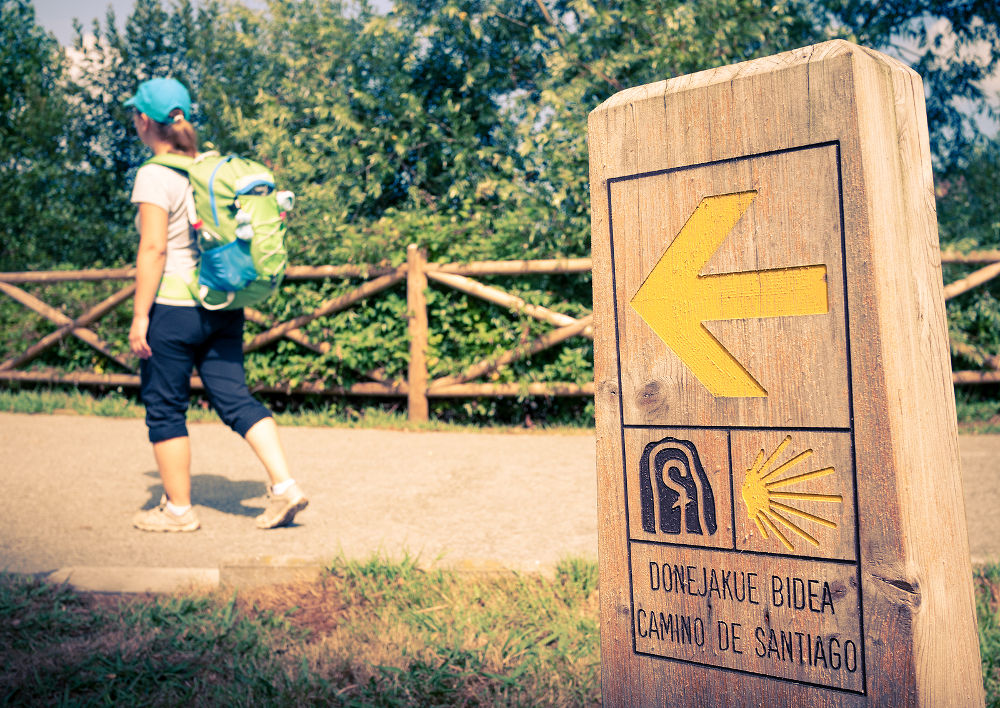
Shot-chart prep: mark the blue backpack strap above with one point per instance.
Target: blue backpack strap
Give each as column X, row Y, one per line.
column 211, row 187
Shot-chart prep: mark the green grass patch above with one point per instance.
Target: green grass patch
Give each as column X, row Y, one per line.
column 978, row 409
column 987, row 580
column 379, row 632
column 43, row 401
column 375, row 632
column 311, row 413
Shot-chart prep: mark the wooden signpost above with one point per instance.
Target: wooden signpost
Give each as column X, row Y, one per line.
column 781, row 518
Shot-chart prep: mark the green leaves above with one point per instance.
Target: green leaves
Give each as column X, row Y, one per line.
column 953, row 45
column 455, row 123
column 31, row 108
column 969, row 219
column 459, row 125
column 32, row 121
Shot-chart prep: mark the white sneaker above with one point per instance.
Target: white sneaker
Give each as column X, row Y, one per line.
column 282, row 508
column 159, row 519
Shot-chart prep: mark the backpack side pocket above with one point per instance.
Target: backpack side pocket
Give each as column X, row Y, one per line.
column 227, row 268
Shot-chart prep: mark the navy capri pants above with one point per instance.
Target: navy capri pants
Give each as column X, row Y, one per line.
column 182, row 338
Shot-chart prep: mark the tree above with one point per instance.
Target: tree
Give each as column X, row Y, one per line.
column 31, row 109
column 31, row 126
column 591, row 51
column 53, row 210
column 109, row 68
column 969, row 219
column 207, row 50
column 457, row 123
column 953, row 44
column 385, row 124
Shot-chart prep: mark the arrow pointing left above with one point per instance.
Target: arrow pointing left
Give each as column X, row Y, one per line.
column 675, row 300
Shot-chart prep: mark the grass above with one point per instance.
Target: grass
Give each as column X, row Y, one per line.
column 371, row 633
column 49, row 402
column 329, row 414
column 987, row 578
column 378, row 632
column 978, row 408
column 977, row 414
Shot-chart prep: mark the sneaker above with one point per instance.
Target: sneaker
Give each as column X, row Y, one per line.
column 282, row 508
column 159, row 519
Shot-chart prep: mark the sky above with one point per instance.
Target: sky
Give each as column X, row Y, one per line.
column 57, row 15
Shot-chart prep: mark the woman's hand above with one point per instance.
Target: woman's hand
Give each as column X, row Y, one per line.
column 137, row 337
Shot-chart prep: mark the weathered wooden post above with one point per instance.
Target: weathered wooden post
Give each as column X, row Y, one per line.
column 416, row 317
column 781, row 519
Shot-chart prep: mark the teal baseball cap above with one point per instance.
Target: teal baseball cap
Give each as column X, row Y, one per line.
column 158, row 97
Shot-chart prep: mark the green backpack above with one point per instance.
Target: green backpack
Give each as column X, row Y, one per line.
column 239, row 221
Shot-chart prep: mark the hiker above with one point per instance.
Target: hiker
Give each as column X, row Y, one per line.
column 172, row 333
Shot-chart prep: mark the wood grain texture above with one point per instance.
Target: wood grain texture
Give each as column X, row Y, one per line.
column 837, row 494
column 416, row 327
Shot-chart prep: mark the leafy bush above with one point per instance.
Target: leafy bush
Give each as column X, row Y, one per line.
column 458, row 125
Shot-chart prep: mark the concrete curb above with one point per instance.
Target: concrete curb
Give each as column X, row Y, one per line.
column 231, row 573
column 256, row 571
column 135, row 580
column 240, row 572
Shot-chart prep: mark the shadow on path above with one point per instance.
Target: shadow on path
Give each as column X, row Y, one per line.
column 217, row 492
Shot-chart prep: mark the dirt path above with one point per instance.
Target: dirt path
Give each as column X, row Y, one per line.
column 72, row 483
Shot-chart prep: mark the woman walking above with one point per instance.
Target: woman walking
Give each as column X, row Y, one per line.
column 173, row 335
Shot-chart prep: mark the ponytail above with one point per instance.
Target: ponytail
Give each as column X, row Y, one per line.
column 179, row 133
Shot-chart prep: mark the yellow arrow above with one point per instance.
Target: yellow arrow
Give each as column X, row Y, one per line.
column 674, row 300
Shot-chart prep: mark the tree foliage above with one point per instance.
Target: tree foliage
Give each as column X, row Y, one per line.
column 456, row 124
column 969, row 219
column 40, row 222
column 953, row 44
column 591, row 50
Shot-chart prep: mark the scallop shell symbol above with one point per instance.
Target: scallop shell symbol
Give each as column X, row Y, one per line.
column 765, row 495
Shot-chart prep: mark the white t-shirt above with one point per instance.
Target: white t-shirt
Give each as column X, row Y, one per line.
column 168, row 189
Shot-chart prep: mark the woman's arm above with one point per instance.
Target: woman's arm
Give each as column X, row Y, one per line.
column 149, row 270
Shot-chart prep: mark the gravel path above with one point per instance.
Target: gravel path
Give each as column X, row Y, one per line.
column 72, row 483
column 523, row 501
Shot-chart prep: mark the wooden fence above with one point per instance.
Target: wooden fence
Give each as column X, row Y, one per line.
column 418, row 386
column 417, row 271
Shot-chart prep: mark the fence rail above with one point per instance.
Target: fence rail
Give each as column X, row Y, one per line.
column 418, row 387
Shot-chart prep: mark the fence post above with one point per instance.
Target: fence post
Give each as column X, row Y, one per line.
column 416, row 316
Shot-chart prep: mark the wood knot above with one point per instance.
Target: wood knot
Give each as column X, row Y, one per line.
column 651, row 397
column 608, row 388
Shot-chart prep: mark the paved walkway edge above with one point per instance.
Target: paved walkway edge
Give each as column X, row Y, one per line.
column 242, row 573
column 118, row 579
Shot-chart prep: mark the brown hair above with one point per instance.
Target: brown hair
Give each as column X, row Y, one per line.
column 180, row 134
